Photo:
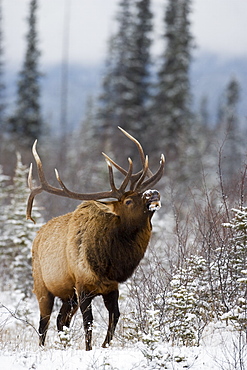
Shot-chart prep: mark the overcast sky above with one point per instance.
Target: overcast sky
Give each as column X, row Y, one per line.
column 218, row 26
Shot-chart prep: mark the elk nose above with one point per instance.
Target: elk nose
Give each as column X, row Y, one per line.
column 153, row 199
column 151, row 195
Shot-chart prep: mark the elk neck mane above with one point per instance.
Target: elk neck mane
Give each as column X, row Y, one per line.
column 113, row 250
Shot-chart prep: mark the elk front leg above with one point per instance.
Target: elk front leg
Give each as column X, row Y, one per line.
column 111, row 303
column 86, row 310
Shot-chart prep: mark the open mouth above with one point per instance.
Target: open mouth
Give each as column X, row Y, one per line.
column 154, row 206
column 153, row 200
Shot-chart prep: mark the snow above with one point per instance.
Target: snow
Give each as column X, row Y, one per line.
column 222, row 347
column 214, row 356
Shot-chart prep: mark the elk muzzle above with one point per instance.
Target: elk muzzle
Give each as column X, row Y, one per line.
column 152, row 198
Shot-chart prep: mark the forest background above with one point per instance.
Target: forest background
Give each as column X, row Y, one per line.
column 195, row 270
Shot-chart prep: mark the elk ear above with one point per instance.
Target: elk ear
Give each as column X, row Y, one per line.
column 108, row 207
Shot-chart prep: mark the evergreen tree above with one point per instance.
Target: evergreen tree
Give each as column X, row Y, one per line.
column 106, row 110
column 3, row 197
column 2, row 84
column 27, row 121
column 235, row 272
column 18, row 233
column 203, row 112
column 116, row 81
column 126, row 83
column 85, row 163
column 172, row 101
column 139, row 70
column 188, row 302
column 229, row 129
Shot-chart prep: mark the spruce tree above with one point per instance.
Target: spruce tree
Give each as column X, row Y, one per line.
column 236, row 284
column 126, row 84
column 2, row 84
column 203, row 112
column 18, row 233
column 188, row 302
column 26, row 121
column 4, row 200
column 106, row 110
column 229, row 130
column 116, row 80
column 172, row 101
column 139, row 70
column 4, row 196
column 85, row 163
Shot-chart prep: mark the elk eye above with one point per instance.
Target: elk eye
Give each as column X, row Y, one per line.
column 128, row 202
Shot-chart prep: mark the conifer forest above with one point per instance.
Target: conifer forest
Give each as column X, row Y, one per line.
column 185, row 306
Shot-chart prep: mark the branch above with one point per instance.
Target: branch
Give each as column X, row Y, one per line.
column 25, row 321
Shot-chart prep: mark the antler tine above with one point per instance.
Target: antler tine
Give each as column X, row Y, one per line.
column 117, row 166
column 140, row 149
column 137, row 179
column 30, row 177
column 127, row 177
column 144, row 173
column 155, row 178
column 119, row 192
column 111, row 179
column 34, row 191
column 134, row 177
column 44, row 185
column 39, row 164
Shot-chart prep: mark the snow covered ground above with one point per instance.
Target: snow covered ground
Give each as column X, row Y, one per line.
column 221, row 347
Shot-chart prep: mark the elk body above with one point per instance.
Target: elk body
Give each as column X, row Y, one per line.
column 89, row 251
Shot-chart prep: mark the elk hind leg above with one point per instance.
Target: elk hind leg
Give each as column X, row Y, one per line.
column 46, row 305
column 86, row 310
column 111, row 303
column 66, row 313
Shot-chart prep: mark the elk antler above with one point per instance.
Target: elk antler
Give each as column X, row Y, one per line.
column 65, row 192
column 136, row 180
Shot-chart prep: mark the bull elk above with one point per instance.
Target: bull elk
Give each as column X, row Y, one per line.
column 89, row 251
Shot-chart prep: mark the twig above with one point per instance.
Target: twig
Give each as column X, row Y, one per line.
column 13, row 314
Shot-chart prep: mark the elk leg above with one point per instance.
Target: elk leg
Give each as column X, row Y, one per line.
column 46, row 305
column 66, row 313
column 111, row 303
column 86, row 310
